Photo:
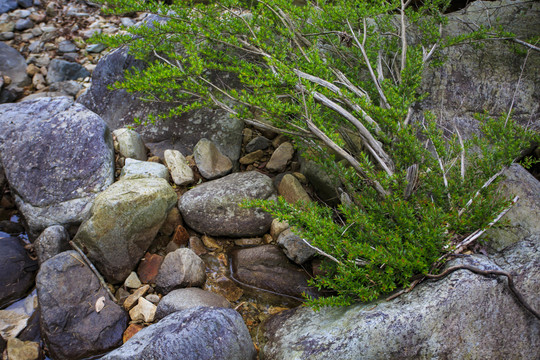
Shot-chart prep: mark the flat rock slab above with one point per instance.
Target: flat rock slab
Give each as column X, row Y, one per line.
column 212, row 208
column 57, row 157
column 200, row 333
column 70, row 323
column 119, row 108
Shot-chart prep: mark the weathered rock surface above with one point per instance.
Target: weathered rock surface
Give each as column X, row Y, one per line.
column 182, row 299
column 194, row 334
column 258, row 143
column 266, row 267
column 62, row 70
column 181, row 173
column 294, row 247
column 281, row 156
column 57, row 156
column 135, row 169
column 291, row 189
column 118, row 108
column 144, row 310
column 12, row 64
column 23, row 350
column 125, row 219
column 213, row 207
column 325, row 186
column 462, row 316
column 72, row 328
column 52, row 241
column 212, row 164
column 180, row 268
column 17, row 269
column 130, row 144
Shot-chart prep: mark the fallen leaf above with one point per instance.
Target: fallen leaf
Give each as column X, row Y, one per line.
column 100, row 303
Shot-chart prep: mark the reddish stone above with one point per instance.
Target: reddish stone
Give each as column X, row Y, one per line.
column 131, row 330
column 181, row 236
column 149, row 267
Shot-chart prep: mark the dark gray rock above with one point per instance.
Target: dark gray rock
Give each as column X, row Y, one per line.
column 23, row 24
column 71, row 327
column 463, row 316
column 70, row 87
column 324, row 185
column 62, row 70
column 25, row 3
column 12, row 64
column 3, row 344
column 182, row 299
column 194, row 334
column 52, row 241
column 213, row 207
column 7, row 5
column 266, row 267
column 17, row 269
column 66, row 46
column 259, row 143
column 57, row 156
column 294, row 247
column 118, row 108
column 180, row 268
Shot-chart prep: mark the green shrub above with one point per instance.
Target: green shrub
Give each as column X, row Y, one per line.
column 327, row 73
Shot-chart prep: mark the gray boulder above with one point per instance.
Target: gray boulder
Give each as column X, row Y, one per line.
column 213, row 207
column 194, row 334
column 119, row 108
column 12, row 64
column 180, row 268
column 71, row 325
column 463, row 316
column 57, row 157
column 17, row 269
column 182, row 299
column 52, row 241
column 125, row 220
column 62, row 70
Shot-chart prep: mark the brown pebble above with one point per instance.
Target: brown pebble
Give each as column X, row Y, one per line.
column 181, row 236
column 149, row 267
column 130, row 331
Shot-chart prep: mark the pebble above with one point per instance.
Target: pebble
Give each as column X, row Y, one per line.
column 131, row 330
column 67, row 46
column 281, row 156
column 95, row 48
column 179, row 167
column 149, row 267
column 153, row 298
column 22, row 350
column 23, row 24
column 259, row 143
column 144, row 310
column 132, row 299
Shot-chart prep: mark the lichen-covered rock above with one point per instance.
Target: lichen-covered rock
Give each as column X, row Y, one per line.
column 200, row 333
column 130, row 144
column 135, row 169
column 125, row 220
column 213, row 207
column 52, row 241
column 57, row 156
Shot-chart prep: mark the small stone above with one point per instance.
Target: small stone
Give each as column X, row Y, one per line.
column 180, row 268
column 153, row 298
column 155, row 159
column 174, row 218
column 301, row 177
column 52, row 241
column 70, row 56
column 131, row 330
column 61, row 70
column 281, row 156
column 211, row 243
column 211, row 162
column 181, row 236
column 294, row 247
column 95, row 48
column 247, row 135
column 22, row 350
column 182, row 299
column 31, row 69
column 248, row 241
column 144, row 310
column 251, row 157
column 280, row 139
column 38, row 80
column 121, row 295
column 127, row 22
column 37, row 31
column 149, row 267
column 132, row 281
column 23, row 24
column 24, row 13
column 7, row 26
column 25, row 3
column 267, row 238
column 133, row 298
column 135, row 169
column 291, row 190
column 277, row 227
column 8, row 35
column 259, row 143
column 51, row 9
column 131, row 144
column 37, row 17
column 181, row 173
column 197, row 245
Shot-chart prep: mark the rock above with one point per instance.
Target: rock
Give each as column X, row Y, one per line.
column 52, row 241
column 433, row 321
column 213, row 207
column 258, row 143
column 268, row 268
column 193, row 334
column 197, row 245
column 69, row 87
column 131, row 144
column 181, row 268
column 171, row 222
column 23, row 350
column 524, row 215
column 17, row 269
column 153, row 298
column 125, row 220
column 25, row 3
column 95, row 48
column 210, row 161
column 182, row 299
column 281, row 156
column 135, row 169
column 10, row 227
column 62, row 70
column 7, row 5
column 144, row 311
column 12, row 323
column 66, row 46
column 71, row 327
column 149, row 267
column 132, row 281
column 119, row 108
column 180, row 171
column 251, row 157
column 325, row 186
column 57, row 156
column 133, row 299
column 131, row 330
column 224, row 286
column 277, row 227
column 13, row 65
column 181, row 236
column 23, row 24
column 248, row 242
column 32, row 330
column 211, row 243
column 291, row 190
column 293, row 246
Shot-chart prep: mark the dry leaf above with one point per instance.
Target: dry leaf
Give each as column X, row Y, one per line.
column 100, row 303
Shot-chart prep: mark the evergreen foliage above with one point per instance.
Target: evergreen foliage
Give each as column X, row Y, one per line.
column 340, row 78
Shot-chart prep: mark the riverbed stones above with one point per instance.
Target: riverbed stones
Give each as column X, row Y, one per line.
column 212, row 164
column 130, row 144
column 182, row 299
column 180, row 268
column 71, row 327
column 52, row 241
column 181, row 173
column 57, row 156
column 17, row 269
column 119, row 108
column 199, row 333
column 125, row 220
column 213, row 207
column 135, row 169
column 281, row 156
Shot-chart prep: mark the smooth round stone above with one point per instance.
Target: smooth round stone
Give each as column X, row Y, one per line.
column 23, row 24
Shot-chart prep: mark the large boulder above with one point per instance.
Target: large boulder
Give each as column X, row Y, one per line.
column 12, row 64
column 125, row 220
column 57, row 156
column 119, row 108
column 213, row 208
column 463, row 316
column 72, row 324
column 17, row 269
column 199, row 333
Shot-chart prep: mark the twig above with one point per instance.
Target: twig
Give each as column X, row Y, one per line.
column 462, row 154
column 94, row 270
column 322, row 252
column 517, row 87
column 486, row 184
